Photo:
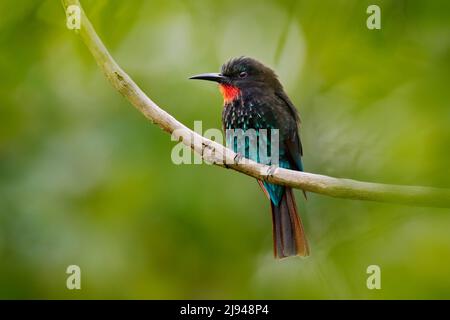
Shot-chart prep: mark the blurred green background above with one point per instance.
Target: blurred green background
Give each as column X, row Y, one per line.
column 86, row 180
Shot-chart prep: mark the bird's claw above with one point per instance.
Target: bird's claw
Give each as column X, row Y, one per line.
column 237, row 158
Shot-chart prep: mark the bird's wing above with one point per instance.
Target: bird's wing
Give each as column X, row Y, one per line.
column 292, row 140
column 292, row 109
column 295, row 152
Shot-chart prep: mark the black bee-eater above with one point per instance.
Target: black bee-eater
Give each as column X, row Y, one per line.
column 255, row 99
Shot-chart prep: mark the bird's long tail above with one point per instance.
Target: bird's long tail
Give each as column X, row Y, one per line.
column 288, row 235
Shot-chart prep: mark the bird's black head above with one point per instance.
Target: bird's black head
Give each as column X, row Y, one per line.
column 241, row 73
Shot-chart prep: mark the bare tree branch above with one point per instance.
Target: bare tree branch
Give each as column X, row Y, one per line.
column 219, row 155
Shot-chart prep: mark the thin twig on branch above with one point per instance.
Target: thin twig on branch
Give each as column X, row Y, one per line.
column 221, row 156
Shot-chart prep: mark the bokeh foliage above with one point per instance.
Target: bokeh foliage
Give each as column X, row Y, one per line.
column 86, row 180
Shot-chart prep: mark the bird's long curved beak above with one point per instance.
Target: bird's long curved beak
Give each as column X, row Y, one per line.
column 216, row 77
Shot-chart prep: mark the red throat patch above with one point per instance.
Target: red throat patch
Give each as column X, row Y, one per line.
column 229, row 93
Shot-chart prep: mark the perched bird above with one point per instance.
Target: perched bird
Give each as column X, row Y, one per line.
column 255, row 99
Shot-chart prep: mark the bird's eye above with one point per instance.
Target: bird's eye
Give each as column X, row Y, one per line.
column 243, row 74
